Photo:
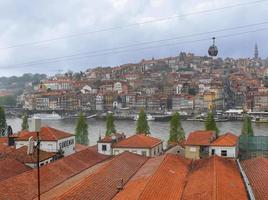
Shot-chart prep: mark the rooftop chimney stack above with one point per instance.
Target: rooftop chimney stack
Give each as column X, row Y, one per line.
column 120, row 185
column 30, row 146
column 35, row 124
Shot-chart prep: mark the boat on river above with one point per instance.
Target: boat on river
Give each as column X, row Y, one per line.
column 47, row 116
column 149, row 117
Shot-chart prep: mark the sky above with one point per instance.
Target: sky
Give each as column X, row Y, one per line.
column 42, row 36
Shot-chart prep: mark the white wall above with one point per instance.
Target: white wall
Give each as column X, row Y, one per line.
column 52, row 146
column 155, row 151
column 108, row 148
column 231, row 151
column 41, row 163
column 139, row 151
column 68, row 147
column 49, row 146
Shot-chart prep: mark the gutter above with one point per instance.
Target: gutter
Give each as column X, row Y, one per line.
column 246, row 181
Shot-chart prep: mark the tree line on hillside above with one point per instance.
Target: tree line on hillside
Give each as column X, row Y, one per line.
column 18, row 82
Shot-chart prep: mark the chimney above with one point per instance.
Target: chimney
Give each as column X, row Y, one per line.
column 120, row 185
column 30, row 148
column 35, row 124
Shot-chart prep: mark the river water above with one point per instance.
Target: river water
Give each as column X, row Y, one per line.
column 160, row 130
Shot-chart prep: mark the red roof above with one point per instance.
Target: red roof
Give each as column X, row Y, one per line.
column 135, row 186
column 215, row 178
column 256, row 170
column 21, row 155
column 46, row 134
column 103, row 183
column 227, row 139
column 200, row 138
column 108, row 139
column 138, row 141
column 169, row 180
column 11, row 167
column 23, row 186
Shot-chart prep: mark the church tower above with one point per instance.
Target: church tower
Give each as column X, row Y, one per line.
column 256, row 52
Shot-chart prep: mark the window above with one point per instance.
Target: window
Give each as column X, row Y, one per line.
column 212, row 151
column 223, row 153
column 104, row 147
column 143, row 153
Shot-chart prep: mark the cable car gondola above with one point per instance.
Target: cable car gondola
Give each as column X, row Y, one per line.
column 213, row 50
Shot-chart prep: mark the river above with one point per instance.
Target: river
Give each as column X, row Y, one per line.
column 158, row 129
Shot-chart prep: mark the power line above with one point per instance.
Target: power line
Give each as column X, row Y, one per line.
column 66, row 58
column 133, row 24
column 150, row 42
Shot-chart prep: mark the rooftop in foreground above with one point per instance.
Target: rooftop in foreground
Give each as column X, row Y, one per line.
column 256, row 170
column 23, row 186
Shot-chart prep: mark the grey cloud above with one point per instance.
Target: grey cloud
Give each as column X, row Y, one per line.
column 27, row 21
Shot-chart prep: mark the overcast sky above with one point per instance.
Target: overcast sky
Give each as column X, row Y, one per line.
column 24, row 22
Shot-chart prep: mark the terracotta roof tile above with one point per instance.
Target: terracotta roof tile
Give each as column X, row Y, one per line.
column 11, row 167
column 138, row 141
column 227, row 139
column 23, row 186
column 109, row 139
column 103, row 183
column 200, row 138
column 137, row 183
column 215, row 178
column 169, row 180
column 21, row 155
column 46, row 134
column 256, row 170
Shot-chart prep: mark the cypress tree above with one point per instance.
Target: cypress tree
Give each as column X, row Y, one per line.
column 2, row 118
column 110, row 127
column 81, row 130
column 142, row 123
column 25, row 125
column 176, row 132
column 210, row 124
column 247, row 127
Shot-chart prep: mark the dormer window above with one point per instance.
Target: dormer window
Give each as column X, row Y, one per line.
column 104, row 147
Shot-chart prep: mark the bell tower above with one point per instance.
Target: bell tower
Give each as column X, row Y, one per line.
column 256, row 52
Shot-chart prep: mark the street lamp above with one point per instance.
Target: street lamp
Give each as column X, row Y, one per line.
column 36, row 126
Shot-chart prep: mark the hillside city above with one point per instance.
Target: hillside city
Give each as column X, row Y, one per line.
column 185, row 82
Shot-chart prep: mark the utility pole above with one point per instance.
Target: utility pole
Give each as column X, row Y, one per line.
column 38, row 161
column 36, row 126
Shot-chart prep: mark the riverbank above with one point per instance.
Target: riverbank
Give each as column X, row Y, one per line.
column 158, row 129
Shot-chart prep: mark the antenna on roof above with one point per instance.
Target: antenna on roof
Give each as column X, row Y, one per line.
column 120, row 185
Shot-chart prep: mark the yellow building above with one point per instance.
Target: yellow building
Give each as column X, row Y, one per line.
column 197, row 144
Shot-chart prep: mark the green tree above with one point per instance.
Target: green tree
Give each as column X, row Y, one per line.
column 8, row 101
column 210, row 124
column 24, row 124
column 110, row 127
column 142, row 126
column 2, row 118
column 247, row 127
column 176, row 132
column 81, row 130
column 265, row 80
